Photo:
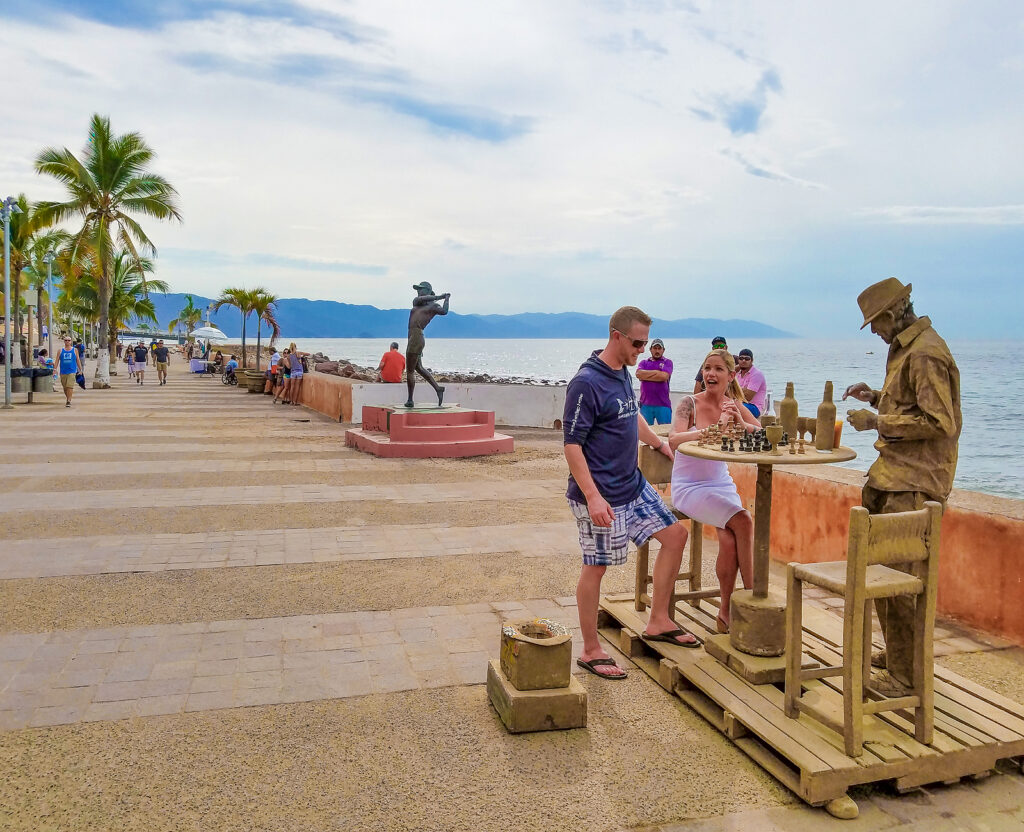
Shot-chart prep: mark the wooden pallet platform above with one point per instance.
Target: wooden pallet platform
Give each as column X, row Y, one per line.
column 974, row 727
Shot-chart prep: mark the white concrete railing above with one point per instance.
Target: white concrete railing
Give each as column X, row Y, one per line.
column 523, row 405
column 520, row 405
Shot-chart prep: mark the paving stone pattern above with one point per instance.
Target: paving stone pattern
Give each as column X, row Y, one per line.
column 38, row 558
column 416, row 493
column 118, row 672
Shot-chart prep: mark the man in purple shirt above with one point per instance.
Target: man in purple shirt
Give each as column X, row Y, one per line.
column 752, row 380
column 654, row 374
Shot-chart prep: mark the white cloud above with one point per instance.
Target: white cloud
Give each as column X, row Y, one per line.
column 951, row 215
column 554, row 161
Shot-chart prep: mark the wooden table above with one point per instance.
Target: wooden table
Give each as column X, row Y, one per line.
column 757, row 621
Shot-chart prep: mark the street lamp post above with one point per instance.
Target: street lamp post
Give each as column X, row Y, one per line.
column 48, row 258
column 7, row 208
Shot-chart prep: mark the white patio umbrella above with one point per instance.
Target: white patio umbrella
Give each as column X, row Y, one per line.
column 208, row 333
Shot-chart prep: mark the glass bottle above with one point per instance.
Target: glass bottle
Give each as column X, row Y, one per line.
column 826, row 423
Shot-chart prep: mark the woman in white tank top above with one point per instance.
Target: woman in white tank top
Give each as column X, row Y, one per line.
column 701, row 488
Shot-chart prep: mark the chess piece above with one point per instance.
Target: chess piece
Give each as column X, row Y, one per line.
column 825, row 424
column 788, row 410
column 801, row 450
column 792, row 447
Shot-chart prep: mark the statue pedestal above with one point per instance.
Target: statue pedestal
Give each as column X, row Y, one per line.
column 428, row 431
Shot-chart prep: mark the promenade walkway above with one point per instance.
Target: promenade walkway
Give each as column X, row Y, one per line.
column 215, row 616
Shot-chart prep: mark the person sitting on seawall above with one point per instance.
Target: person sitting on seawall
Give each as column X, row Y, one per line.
column 392, row 365
column 752, row 382
column 230, row 367
column 702, row 488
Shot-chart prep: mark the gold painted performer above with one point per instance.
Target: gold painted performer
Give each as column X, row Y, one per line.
column 918, row 424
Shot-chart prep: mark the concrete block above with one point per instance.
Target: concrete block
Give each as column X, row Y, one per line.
column 536, row 710
column 536, row 656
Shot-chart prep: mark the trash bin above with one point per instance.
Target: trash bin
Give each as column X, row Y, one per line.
column 42, row 380
column 21, row 379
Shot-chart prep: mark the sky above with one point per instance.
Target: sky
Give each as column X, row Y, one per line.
column 697, row 159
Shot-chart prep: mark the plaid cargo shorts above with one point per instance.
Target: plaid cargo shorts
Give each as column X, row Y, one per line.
column 637, row 521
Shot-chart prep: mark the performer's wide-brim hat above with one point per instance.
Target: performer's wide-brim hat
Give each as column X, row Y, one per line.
column 424, row 285
column 878, row 297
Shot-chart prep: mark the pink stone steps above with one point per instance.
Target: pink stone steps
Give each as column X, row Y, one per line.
column 446, row 432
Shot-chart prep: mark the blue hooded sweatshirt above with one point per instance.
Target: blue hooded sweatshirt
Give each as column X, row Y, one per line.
column 601, row 417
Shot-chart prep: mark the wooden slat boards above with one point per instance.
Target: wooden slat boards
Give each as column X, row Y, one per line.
column 974, row 727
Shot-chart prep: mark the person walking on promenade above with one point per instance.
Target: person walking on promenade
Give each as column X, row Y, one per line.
column 392, row 365
column 80, row 346
column 141, row 360
column 607, row 494
column 752, row 382
column 120, row 349
column 130, row 359
column 717, row 343
column 702, row 489
column 69, row 364
column 654, row 374
column 163, row 358
column 918, row 424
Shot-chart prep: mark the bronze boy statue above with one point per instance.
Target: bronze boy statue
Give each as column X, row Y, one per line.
column 424, row 307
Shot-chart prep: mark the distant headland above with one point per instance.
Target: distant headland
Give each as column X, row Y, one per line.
column 302, row 318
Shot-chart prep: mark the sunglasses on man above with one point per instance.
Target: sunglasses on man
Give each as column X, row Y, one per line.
column 637, row 343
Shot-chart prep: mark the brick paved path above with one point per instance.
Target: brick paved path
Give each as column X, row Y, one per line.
column 198, row 426
column 416, row 493
column 39, row 558
column 117, row 672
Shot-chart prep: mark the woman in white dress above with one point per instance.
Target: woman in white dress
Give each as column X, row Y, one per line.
column 701, row 488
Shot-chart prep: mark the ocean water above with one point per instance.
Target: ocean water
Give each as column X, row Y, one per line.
column 991, row 378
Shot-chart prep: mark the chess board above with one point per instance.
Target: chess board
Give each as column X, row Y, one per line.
column 712, row 449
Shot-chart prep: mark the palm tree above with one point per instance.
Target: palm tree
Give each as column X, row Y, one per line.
column 106, row 187
column 242, row 300
column 129, row 294
column 23, row 228
column 54, row 240
column 189, row 316
column 265, row 307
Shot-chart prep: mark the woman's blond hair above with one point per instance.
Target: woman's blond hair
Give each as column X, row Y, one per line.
column 733, row 391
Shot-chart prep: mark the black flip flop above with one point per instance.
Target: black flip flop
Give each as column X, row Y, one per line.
column 589, row 666
column 671, row 636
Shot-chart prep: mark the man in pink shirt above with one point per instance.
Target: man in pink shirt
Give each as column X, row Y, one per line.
column 752, row 380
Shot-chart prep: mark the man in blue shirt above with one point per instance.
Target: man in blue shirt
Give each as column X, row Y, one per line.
column 69, row 364
column 608, row 496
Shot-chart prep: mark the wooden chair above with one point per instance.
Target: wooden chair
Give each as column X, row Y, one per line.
column 910, row 537
column 657, row 470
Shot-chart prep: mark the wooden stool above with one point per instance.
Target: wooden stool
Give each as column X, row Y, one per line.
column 657, row 470
column 909, row 537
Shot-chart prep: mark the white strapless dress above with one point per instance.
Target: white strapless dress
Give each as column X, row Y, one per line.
column 703, row 490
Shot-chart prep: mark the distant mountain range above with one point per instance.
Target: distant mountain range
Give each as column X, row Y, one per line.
column 301, row 318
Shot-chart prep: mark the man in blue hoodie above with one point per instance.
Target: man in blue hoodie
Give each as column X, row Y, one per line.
column 609, row 497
